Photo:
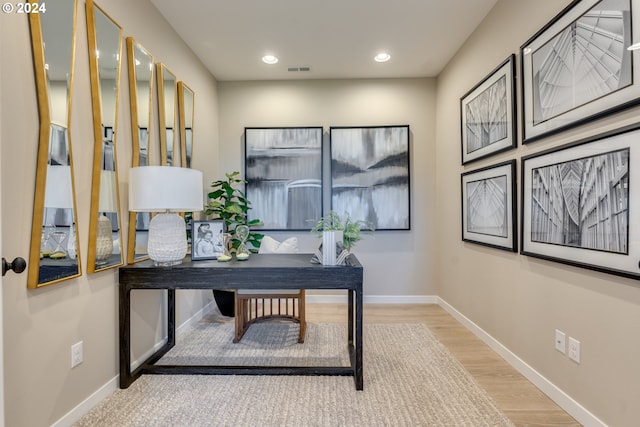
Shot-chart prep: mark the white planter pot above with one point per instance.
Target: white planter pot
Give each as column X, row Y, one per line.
column 329, row 240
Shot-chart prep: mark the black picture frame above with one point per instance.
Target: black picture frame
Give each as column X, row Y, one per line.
column 573, row 73
column 370, row 174
column 578, row 201
column 283, row 170
column 488, row 114
column 489, row 206
column 203, row 247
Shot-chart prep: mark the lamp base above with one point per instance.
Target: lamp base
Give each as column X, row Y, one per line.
column 167, row 239
column 167, row 263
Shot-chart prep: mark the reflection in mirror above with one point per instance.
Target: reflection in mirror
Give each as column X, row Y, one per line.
column 185, row 109
column 105, row 42
column 140, row 97
column 53, row 255
column 167, row 103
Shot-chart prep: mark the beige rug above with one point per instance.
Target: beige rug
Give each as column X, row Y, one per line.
column 410, row 379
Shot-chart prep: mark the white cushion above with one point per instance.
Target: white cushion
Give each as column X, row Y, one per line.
column 269, row 245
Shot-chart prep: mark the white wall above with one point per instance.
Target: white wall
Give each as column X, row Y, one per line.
column 397, row 263
column 42, row 324
column 520, row 300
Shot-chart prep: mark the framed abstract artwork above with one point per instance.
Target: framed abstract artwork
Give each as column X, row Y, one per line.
column 370, row 175
column 578, row 202
column 578, row 67
column 488, row 114
column 488, row 206
column 283, row 170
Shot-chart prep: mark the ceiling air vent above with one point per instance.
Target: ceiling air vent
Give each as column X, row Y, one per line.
column 295, row 69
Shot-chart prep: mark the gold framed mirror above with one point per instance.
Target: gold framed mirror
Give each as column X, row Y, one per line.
column 167, row 105
column 53, row 256
column 186, row 99
column 140, row 97
column 105, row 46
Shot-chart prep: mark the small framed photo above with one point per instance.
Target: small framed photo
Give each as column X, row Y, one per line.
column 488, row 208
column 488, row 114
column 579, row 203
column 207, row 239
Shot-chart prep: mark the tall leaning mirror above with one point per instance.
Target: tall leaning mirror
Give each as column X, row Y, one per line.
column 53, row 256
column 105, row 44
column 140, row 97
column 167, row 104
column 185, row 113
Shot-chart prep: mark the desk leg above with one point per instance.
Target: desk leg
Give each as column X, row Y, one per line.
column 358, row 338
column 125, row 337
column 350, row 316
column 171, row 317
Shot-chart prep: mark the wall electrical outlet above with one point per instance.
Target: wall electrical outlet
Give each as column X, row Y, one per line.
column 574, row 350
column 76, row 354
column 560, row 341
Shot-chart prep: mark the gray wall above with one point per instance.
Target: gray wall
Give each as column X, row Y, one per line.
column 41, row 325
column 398, row 263
column 520, row 300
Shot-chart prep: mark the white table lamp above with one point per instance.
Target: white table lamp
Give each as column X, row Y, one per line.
column 58, row 189
column 166, row 189
column 59, row 195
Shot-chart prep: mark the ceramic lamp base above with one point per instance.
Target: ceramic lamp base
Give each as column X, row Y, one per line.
column 167, row 239
column 104, row 239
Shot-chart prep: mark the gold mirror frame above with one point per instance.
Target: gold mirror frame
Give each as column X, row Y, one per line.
column 186, row 108
column 167, row 106
column 105, row 47
column 53, row 256
column 140, row 97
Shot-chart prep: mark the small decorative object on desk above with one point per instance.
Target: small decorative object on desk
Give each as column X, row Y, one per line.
column 242, row 233
column 226, row 256
column 327, row 258
column 338, row 233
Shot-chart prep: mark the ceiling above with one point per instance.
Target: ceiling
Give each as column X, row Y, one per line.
column 336, row 39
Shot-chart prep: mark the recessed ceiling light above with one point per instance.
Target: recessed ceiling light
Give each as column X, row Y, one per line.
column 382, row 57
column 270, row 59
column 634, row 46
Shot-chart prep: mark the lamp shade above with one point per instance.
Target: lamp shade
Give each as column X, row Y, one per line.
column 58, row 190
column 165, row 188
column 108, row 200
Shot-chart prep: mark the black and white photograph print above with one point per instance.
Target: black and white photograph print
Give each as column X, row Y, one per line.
column 578, row 67
column 488, row 209
column 488, row 114
column 207, row 239
column 578, row 201
column 283, row 170
column 370, row 175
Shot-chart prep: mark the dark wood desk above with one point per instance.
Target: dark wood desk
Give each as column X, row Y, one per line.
column 282, row 271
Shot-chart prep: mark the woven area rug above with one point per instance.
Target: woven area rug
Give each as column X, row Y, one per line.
column 410, row 379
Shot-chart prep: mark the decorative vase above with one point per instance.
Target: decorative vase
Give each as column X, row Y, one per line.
column 329, row 240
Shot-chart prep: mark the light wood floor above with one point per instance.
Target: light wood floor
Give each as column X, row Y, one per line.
column 518, row 398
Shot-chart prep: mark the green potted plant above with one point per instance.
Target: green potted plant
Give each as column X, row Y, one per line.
column 228, row 203
column 332, row 225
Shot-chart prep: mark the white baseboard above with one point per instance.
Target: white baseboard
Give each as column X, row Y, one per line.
column 562, row 399
column 88, row 404
column 112, row 385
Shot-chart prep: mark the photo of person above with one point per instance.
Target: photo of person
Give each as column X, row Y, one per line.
column 208, row 240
